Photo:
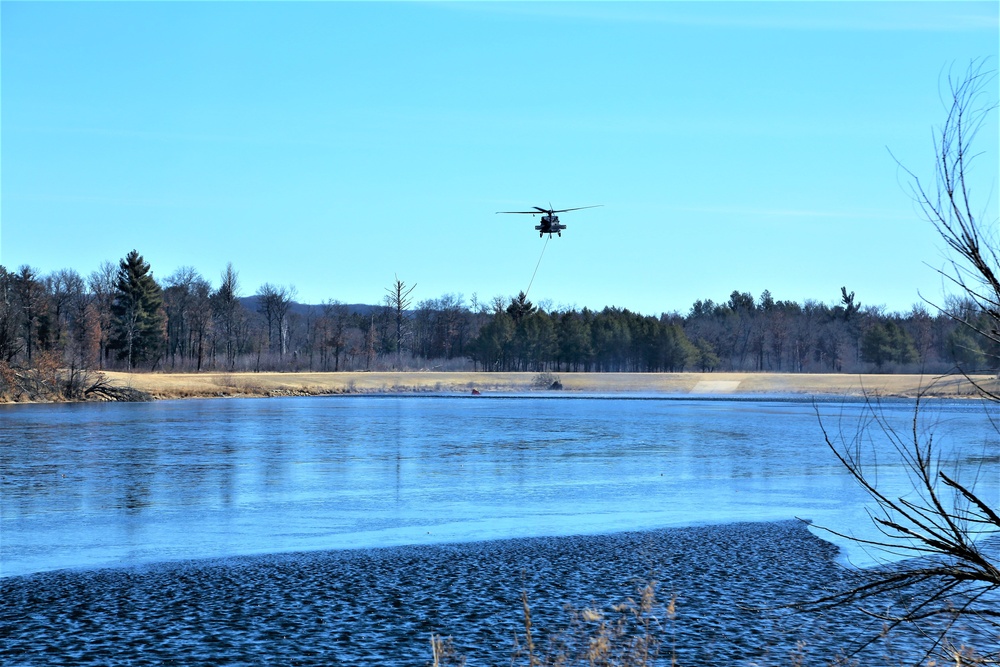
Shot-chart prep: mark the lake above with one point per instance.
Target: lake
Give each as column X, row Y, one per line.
column 391, row 517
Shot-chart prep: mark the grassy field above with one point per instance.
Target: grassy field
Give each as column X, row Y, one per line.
column 201, row 385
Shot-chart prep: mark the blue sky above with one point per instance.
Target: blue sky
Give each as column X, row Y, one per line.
column 333, row 146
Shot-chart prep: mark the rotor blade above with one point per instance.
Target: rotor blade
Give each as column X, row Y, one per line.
column 578, row 208
column 524, row 212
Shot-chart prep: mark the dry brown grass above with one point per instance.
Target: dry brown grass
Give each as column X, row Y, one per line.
column 203, row 385
column 627, row 634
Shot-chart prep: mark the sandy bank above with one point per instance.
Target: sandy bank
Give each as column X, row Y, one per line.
column 201, row 385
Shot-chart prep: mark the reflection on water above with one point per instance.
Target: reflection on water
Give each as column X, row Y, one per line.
column 111, row 484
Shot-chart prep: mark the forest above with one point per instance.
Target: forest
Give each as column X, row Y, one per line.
column 120, row 317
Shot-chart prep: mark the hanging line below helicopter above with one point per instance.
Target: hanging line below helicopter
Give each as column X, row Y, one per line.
column 530, row 282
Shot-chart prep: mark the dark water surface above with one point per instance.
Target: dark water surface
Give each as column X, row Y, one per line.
column 347, row 530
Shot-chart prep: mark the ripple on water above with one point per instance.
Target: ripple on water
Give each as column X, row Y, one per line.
column 380, row 606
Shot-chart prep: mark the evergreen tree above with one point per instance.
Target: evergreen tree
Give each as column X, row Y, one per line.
column 876, row 346
column 535, row 340
column 490, row 346
column 30, row 297
column 903, row 349
column 705, row 358
column 228, row 313
column 675, row 350
column 887, row 342
column 573, row 337
column 139, row 324
column 520, row 306
column 10, row 343
column 963, row 348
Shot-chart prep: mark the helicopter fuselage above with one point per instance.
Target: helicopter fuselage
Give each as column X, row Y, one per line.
column 550, row 225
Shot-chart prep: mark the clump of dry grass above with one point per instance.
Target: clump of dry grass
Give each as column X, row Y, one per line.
column 444, row 652
column 627, row 634
column 546, row 381
column 237, row 385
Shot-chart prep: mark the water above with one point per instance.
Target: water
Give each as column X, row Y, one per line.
column 344, row 530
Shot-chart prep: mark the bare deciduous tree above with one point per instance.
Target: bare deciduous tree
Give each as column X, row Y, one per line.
column 399, row 301
column 949, row 577
column 66, row 300
column 948, row 204
column 273, row 303
column 102, row 287
column 945, row 525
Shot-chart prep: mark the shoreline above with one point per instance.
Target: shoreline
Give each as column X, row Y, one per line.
column 429, row 544
column 484, row 611
column 166, row 386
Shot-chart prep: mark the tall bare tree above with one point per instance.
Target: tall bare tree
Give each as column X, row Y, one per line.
column 183, row 296
column 102, row 287
column 948, row 204
column 66, row 299
column 78, row 325
column 399, row 301
column 200, row 316
column 953, row 576
column 282, row 310
column 273, row 302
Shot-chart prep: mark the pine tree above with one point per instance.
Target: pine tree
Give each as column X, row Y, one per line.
column 876, row 345
column 139, row 324
column 520, row 306
column 228, row 310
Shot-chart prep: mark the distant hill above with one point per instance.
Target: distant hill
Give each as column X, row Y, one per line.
column 250, row 303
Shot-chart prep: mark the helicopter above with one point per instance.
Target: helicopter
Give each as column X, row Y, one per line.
column 550, row 221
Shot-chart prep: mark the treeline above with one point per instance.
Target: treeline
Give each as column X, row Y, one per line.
column 741, row 334
column 120, row 317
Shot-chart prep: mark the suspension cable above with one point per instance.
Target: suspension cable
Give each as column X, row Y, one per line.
column 536, row 266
